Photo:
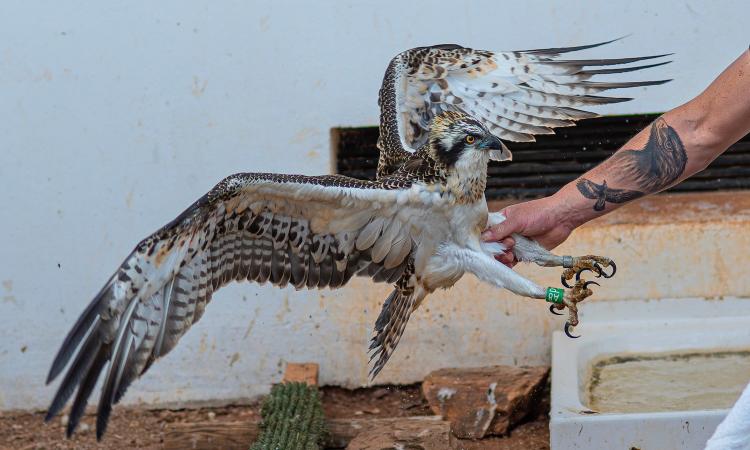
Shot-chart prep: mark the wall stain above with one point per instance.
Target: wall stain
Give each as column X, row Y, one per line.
column 263, row 22
column 8, row 297
column 303, row 134
column 252, row 323
column 284, row 308
column 199, row 86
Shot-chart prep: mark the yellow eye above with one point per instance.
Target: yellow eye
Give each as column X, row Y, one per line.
column 470, row 139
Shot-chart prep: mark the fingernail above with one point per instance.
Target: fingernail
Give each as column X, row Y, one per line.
column 487, row 236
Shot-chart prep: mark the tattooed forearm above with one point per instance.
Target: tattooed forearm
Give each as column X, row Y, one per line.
column 656, row 166
column 603, row 193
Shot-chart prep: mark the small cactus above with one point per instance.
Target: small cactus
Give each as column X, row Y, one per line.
column 292, row 419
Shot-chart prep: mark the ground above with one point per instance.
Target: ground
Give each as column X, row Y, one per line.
column 144, row 429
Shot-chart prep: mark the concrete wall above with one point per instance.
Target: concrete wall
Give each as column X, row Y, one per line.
column 116, row 115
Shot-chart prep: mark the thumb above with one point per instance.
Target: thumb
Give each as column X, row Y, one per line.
column 503, row 229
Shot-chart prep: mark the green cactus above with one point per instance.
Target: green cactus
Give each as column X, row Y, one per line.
column 292, row 419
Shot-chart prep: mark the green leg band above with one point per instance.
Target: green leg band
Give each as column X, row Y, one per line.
column 554, row 295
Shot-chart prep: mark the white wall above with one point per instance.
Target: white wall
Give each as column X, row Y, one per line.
column 114, row 116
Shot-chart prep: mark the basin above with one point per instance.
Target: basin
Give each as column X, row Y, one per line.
column 662, row 378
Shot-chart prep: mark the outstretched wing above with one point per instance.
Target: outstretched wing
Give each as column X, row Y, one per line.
column 310, row 232
column 518, row 94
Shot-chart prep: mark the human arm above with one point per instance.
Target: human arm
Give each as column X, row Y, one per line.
column 678, row 144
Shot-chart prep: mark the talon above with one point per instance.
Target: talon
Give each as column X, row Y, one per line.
column 614, row 270
column 599, row 271
column 567, row 331
column 565, row 282
column 586, row 284
column 552, row 310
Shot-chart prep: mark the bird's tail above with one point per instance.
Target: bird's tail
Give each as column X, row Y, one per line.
column 391, row 322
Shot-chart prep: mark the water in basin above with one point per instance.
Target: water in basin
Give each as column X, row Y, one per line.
column 654, row 382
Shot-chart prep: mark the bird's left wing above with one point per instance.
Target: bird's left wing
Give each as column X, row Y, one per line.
column 518, row 94
column 589, row 189
column 310, row 232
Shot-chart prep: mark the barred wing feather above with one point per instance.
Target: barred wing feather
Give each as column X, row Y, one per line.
column 309, row 232
column 518, row 94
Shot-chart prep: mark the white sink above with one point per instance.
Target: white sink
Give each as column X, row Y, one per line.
column 652, row 327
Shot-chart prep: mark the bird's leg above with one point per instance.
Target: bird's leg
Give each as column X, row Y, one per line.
column 487, row 269
column 528, row 250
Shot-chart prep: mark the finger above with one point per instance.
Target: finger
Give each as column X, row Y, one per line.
column 508, row 259
column 501, row 230
column 505, row 258
column 508, row 242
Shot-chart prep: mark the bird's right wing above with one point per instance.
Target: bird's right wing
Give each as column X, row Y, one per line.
column 517, row 94
column 622, row 195
column 310, row 232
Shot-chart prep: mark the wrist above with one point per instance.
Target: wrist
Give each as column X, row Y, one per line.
column 570, row 209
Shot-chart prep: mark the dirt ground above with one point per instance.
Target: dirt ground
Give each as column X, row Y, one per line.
column 144, row 429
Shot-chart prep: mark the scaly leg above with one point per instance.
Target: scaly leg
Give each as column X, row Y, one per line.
column 487, row 269
column 528, row 250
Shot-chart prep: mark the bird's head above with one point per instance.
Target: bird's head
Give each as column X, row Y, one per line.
column 455, row 136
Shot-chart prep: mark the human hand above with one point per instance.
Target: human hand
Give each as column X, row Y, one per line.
column 543, row 220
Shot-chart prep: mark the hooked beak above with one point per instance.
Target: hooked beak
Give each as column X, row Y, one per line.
column 498, row 150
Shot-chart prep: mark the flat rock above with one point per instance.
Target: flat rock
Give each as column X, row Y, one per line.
column 407, row 433
column 484, row 401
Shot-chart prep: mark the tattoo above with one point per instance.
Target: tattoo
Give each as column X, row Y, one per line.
column 603, row 193
column 661, row 161
column 654, row 167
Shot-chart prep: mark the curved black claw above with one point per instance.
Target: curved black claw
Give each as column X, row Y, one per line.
column 586, row 284
column 614, row 270
column 565, row 282
column 597, row 271
column 552, row 309
column 567, row 331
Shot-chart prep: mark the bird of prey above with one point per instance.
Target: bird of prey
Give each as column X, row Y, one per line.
column 444, row 111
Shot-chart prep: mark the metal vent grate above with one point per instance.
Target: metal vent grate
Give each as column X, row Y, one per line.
column 541, row 168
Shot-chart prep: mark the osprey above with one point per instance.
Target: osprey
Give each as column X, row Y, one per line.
column 444, row 111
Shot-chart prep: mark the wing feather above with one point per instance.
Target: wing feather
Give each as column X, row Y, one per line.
column 515, row 92
column 312, row 232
